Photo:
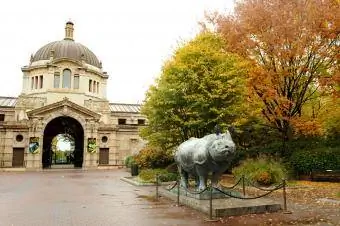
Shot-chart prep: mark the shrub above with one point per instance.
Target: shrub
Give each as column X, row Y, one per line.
column 262, row 171
column 168, row 177
column 151, row 157
column 172, row 168
column 129, row 160
column 318, row 159
column 149, row 175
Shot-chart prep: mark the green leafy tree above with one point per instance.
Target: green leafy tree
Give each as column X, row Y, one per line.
column 200, row 86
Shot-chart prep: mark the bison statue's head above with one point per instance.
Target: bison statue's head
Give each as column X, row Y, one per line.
column 221, row 147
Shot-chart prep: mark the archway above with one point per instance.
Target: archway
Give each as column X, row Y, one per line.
column 69, row 128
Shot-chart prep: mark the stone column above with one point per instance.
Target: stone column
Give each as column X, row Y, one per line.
column 90, row 160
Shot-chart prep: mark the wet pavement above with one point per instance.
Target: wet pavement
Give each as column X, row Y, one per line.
column 78, row 197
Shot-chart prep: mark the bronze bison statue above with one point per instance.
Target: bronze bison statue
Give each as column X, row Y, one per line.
column 200, row 156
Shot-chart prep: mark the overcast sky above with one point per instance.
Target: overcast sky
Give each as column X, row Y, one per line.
column 131, row 37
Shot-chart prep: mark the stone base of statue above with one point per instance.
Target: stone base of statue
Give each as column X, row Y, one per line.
column 221, row 206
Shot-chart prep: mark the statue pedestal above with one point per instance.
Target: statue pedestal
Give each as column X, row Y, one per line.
column 222, row 206
column 204, row 195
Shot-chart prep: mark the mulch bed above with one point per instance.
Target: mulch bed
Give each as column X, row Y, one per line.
column 311, row 203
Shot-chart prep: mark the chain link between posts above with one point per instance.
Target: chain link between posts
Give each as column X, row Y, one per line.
column 243, row 179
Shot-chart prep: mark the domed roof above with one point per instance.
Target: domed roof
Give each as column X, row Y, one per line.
column 67, row 48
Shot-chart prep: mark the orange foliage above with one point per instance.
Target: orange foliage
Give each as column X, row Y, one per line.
column 307, row 127
column 294, row 45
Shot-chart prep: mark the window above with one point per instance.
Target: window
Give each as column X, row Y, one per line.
column 2, row 117
column 76, row 82
column 36, row 82
column 94, row 86
column 19, row 138
column 121, row 121
column 32, row 83
column 90, row 85
column 56, row 79
column 41, row 78
column 141, row 122
column 66, row 78
column 97, row 87
column 104, row 139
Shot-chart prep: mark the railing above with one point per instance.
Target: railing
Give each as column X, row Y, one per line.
column 222, row 188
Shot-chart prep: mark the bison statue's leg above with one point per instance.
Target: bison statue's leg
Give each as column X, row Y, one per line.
column 216, row 175
column 215, row 178
column 184, row 177
column 203, row 182
column 202, row 174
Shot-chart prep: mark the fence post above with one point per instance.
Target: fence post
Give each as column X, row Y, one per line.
column 210, row 205
column 178, row 191
column 156, row 187
column 243, row 187
column 284, row 197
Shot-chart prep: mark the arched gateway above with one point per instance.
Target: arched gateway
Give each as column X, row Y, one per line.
column 68, row 127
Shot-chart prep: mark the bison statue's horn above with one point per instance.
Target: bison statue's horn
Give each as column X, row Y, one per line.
column 228, row 136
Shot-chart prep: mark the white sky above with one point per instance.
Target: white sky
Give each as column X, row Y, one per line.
column 131, row 37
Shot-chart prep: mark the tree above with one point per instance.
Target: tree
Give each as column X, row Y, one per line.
column 293, row 45
column 200, row 86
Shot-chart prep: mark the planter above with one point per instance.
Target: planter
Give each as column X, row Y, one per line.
column 134, row 170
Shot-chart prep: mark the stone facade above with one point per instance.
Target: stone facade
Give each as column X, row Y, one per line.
column 67, row 86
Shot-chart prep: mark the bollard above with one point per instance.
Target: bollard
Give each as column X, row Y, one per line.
column 284, row 197
column 210, row 203
column 243, row 187
column 178, row 191
column 156, row 187
column 211, row 219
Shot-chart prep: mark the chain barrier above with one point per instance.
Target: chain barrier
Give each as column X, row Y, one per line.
column 260, row 196
column 211, row 188
column 178, row 183
column 172, row 187
column 225, row 187
column 257, row 187
column 195, row 192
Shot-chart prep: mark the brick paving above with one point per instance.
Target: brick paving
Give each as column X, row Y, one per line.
column 79, row 197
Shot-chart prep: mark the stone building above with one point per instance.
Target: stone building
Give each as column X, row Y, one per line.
column 64, row 92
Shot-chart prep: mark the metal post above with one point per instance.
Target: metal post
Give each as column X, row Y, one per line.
column 284, row 197
column 243, row 187
column 178, row 191
column 210, row 203
column 211, row 219
column 156, row 187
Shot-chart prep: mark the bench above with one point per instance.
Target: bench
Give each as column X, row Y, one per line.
column 326, row 175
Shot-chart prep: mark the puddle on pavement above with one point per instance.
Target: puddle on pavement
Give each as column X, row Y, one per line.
column 107, row 195
column 178, row 214
column 147, row 197
column 76, row 176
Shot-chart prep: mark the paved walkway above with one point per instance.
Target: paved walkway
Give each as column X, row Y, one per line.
column 77, row 197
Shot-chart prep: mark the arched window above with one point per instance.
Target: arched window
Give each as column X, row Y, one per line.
column 66, row 78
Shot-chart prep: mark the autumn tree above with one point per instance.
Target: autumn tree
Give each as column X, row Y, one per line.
column 200, row 86
column 293, row 45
